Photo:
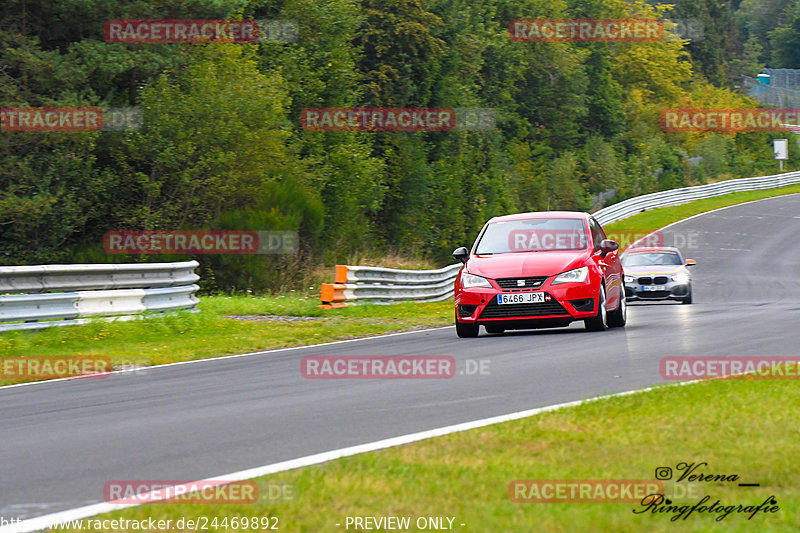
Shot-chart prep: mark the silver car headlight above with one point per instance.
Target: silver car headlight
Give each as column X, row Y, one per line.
column 577, row 275
column 469, row 281
column 681, row 277
column 629, row 279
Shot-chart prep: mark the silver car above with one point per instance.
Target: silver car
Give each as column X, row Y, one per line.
column 657, row 274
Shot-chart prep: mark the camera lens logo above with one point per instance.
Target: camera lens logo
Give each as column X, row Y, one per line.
column 663, row 473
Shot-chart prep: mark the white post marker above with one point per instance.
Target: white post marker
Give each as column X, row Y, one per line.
column 781, row 149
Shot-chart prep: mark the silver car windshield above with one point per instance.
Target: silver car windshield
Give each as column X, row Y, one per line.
column 534, row 235
column 651, row 259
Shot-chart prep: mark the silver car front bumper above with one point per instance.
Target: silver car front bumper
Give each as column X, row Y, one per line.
column 670, row 290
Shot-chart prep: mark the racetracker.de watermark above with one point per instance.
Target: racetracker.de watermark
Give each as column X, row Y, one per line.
column 691, row 28
column 547, row 239
column 51, row 118
column 729, row 120
column 655, row 239
column 71, row 119
column 199, row 31
column 378, row 367
column 583, row 490
column 397, row 119
column 681, row 368
column 200, row 242
column 565, row 239
column 586, row 30
column 39, row 367
column 185, row 492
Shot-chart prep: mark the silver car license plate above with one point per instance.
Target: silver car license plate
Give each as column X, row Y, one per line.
column 653, row 287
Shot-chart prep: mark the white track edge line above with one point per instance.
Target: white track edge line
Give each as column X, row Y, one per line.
column 49, row 520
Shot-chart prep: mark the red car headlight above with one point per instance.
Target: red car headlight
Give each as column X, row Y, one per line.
column 577, row 275
column 469, row 281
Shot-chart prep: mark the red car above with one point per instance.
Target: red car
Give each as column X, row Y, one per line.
column 535, row 270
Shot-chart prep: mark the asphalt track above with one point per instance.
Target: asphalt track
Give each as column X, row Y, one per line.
column 62, row 441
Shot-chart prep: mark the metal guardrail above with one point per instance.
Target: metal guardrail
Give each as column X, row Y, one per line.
column 50, row 297
column 387, row 285
column 44, row 278
column 639, row 204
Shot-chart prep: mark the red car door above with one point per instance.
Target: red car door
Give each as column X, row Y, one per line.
column 608, row 265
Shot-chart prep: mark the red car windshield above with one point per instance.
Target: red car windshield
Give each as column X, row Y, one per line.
column 533, row 235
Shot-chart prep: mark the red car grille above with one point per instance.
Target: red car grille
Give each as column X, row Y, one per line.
column 530, row 283
column 493, row 310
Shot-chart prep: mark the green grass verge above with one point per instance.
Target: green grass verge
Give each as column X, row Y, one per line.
column 209, row 333
column 658, row 218
column 747, row 428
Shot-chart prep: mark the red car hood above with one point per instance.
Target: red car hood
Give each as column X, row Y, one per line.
column 525, row 264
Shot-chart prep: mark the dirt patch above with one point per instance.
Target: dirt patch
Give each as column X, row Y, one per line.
column 278, row 318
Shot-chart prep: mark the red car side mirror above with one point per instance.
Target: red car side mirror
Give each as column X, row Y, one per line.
column 607, row 245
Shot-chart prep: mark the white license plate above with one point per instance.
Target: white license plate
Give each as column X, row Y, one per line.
column 521, row 298
column 646, row 288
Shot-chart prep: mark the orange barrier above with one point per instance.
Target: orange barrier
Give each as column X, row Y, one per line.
column 332, row 294
column 387, row 285
column 341, row 274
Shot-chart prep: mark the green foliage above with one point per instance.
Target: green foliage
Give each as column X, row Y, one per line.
column 763, row 33
column 221, row 146
column 399, row 53
column 715, row 152
column 214, row 133
column 785, row 39
column 601, row 168
column 564, row 190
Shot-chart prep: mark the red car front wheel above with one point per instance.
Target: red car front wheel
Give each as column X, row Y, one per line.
column 598, row 322
column 466, row 330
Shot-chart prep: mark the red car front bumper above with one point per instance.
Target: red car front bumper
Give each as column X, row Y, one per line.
column 564, row 303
